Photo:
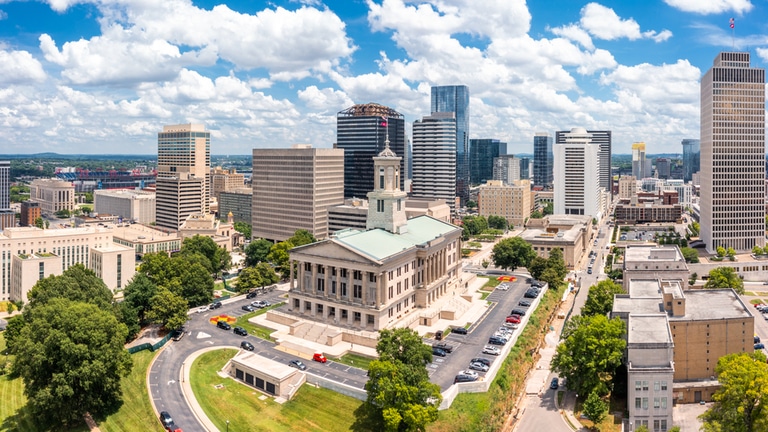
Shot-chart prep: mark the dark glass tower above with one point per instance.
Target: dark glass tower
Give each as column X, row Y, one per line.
column 455, row 99
column 481, row 155
column 543, row 160
column 691, row 158
column 361, row 131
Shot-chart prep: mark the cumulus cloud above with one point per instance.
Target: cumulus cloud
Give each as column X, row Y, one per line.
column 19, row 67
column 712, row 6
column 575, row 33
column 324, row 99
column 603, row 23
column 762, row 53
column 3, row 15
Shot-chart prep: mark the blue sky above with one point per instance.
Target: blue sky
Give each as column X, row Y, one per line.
column 104, row 76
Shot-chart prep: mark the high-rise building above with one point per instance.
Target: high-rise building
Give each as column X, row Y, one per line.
column 691, row 158
column 513, row 201
column 733, row 154
column 577, row 175
column 225, row 180
column 130, row 205
column 603, row 139
column 455, row 99
column 434, row 158
column 525, row 168
column 7, row 216
column 638, row 160
column 506, row 168
column 293, row 188
column 183, row 168
column 543, row 160
column 663, row 166
column 361, row 130
column 481, row 154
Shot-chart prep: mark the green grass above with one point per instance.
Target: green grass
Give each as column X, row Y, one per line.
column 484, row 295
column 355, row 360
column 312, row 409
column 754, row 301
column 490, row 284
column 255, row 329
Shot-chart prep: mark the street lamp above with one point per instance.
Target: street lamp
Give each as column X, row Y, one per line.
column 227, row 425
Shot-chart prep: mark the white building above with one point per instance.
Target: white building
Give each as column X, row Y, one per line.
column 434, row 157
column 506, row 168
column 684, row 191
column 131, row 205
column 577, row 176
column 53, row 195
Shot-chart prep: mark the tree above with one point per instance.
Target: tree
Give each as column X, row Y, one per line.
column 63, row 214
column 692, row 278
column 301, row 237
column 643, row 428
column 473, row 204
column 537, row 266
column 720, row 251
column 731, row 252
column 219, row 258
column 194, row 284
column 556, row 262
column 498, row 222
column 244, row 229
column 71, row 358
column 278, row 255
column 157, row 267
column 690, row 254
column 536, row 215
column 591, row 351
column 168, row 309
column 600, row 298
column 400, row 395
column 257, row 252
column 740, row 403
column 251, row 277
column 757, row 250
column 13, row 330
column 511, row 253
column 40, row 223
column 595, row 408
column 76, row 283
column 724, row 277
column 139, row 293
column 549, row 208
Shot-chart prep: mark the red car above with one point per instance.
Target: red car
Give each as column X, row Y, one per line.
column 319, row 357
column 514, row 319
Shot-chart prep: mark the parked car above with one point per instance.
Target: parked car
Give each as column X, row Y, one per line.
column 493, row 340
column 165, row 418
column 517, row 311
column 459, row 330
column 460, row 378
column 258, row 304
column 438, row 352
column 223, row 325
column 514, row 319
column 298, row 364
column 482, row 360
column 524, row 303
column 240, row 331
column 246, row 345
column 492, row 350
column 215, row 305
column 319, row 357
column 759, row 346
column 248, row 308
column 531, row 294
column 202, row 309
column 511, row 326
column 469, row 372
column 554, row 384
column 251, row 294
column 439, row 335
column 757, row 339
column 444, row 346
column 537, row 284
column 178, row 334
column 478, row 366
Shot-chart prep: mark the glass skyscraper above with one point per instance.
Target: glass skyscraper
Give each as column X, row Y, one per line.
column 481, row 155
column 543, row 160
column 691, row 158
column 455, row 99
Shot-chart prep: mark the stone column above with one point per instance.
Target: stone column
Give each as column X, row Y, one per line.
column 364, row 285
column 327, row 286
column 313, row 281
column 380, row 287
column 290, row 278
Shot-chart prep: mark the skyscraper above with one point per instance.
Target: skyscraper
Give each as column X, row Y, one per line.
column 506, row 168
column 361, row 130
column 434, row 158
column 691, row 158
column 183, row 168
column 7, row 216
column 481, row 154
column 577, row 175
column 455, row 99
column 525, row 168
column 733, row 154
column 603, row 139
column 638, row 160
column 663, row 168
column 543, row 160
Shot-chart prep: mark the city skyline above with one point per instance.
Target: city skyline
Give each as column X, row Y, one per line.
column 102, row 77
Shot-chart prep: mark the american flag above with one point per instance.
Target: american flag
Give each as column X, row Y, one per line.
column 732, row 23
column 384, row 121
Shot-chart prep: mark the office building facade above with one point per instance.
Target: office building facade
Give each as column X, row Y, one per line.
column 292, row 190
column 52, row 195
column 237, row 202
column 455, row 99
column 543, row 160
column 638, row 160
column 30, row 211
column 525, row 168
column 183, row 172
column 577, row 176
column 361, row 131
column 506, row 168
column 663, row 166
column 733, row 154
column 225, row 180
column 513, row 201
column 691, row 158
column 481, row 155
column 129, row 205
column 603, row 140
column 7, row 215
column 434, row 158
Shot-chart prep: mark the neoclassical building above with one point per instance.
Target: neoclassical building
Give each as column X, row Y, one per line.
column 393, row 274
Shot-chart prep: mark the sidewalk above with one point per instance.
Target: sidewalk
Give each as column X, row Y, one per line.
column 552, row 338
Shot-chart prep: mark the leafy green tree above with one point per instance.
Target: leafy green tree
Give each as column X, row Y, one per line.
column 642, row 428
column 139, row 293
column 301, row 237
column 40, row 223
column 128, row 315
column 590, row 352
column 63, row 214
column 251, row 277
column 757, row 250
column 690, row 254
column 512, row 252
column 537, row 266
column 400, row 395
column 474, row 225
column 600, row 298
column 740, row 403
column 473, row 204
column 721, row 251
column 536, row 215
column 77, row 283
column 498, row 222
column 71, row 358
column 278, row 255
column 157, row 267
column 218, row 257
column 724, row 277
column 13, row 331
column 692, row 278
column 89, row 197
column 244, row 229
column 195, row 284
column 595, row 408
column 168, row 309
column 549, row 208
column 257, row 252
column 556, row 262
column 731, row 252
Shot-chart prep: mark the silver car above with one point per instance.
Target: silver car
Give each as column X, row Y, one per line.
column 492, row 350
column 478, row 366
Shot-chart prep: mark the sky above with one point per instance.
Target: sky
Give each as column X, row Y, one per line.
column 104, row 76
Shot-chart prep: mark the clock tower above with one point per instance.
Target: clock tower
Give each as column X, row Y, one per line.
column 386, row 204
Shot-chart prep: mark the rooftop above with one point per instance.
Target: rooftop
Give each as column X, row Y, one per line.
column 648, row 329
column 142, row 234
column 653, row 254
column 34, row 232
column 263, row 364
column 712, row 304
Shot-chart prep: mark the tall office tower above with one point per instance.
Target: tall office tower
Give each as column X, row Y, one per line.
column 7, row 215
column 691, row 158
column 506, row 168
column 183, row 168
column 603, row 139
column 525, row 168
column 434, row 158
column 577, row 175
column 663, row 168
column 293, row 188
column 543, row 160
column 733, row 154
column 638, row 160
column 481, row 154
column 455, row 99
column 360, row 131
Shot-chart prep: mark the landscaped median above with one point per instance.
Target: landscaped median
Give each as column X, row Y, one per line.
column 255, row 329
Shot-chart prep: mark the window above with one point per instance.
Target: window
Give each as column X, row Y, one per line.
column 645, row 403
column 638, row 385
column 663, row 386
column 656, row 403
column 664, row 403
column 638, row 403
column 645, row 385
column 655, row 386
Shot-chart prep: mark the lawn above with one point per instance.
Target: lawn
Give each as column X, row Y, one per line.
column 490, row 284
column 355, row 360
column 255, row 329
column 312, row 409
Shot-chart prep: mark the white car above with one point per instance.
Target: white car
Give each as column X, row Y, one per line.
column 468, row 372
column 492, row 350
column 202, row 309
column 511, row 326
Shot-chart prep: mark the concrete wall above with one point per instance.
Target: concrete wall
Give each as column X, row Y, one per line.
column 344, row 389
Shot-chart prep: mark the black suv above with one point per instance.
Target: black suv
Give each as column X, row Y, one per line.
column 459, row 330
column 438, row 352
column 240, row 331
column 223, row 325
column 516, row 311
column 444, row 346
column 495, row 340
column 165, row 418
column 482, row 360
column 215, row 305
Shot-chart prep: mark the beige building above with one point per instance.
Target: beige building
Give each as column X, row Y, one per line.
column 653, row 262
column 224, row 181
column 266, row 375
column 399, row 272
column 53, row 195
column 354, row 212
column 145, row 239
column 207, row 225
column 542, row 198
column 512, row 201
column 627, row 187
column 130, row 205
column 39, row 253
column 183, row 170
column 293, row 188
column 571, row 234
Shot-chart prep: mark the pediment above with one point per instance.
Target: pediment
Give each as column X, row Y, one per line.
column 332, row 251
